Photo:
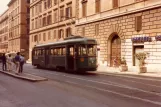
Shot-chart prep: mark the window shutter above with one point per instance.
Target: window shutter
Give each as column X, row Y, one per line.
column 138, row 23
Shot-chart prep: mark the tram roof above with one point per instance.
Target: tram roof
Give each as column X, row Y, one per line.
column 75, row 39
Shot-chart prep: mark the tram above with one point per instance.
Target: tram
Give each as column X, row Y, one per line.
column 74, row 53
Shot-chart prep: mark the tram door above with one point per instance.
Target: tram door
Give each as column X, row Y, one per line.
column 70, row 57
column 47, row 57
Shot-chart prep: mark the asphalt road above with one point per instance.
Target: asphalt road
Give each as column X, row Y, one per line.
column 79, row 90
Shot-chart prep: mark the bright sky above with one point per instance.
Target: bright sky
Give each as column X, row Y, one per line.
column 3, row 5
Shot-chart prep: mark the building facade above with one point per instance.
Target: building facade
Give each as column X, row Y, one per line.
column 4, row 32
column 51, row 20
column 18, row 12
column 122, row 29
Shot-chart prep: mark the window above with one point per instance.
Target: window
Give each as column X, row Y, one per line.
column 45, row 4
column 55, row 2
column 91, row 49
column 68, row 32
column 49, row 35
column 61, row 33
column 44, row 21
column 138, row 23
column 32, row 11
column 44, row 36
column 115, row 4
column 49, row 21
column 40, row 7
column 83, row 31
column 97, row 29
column 98, row 6
column 54, row 36
column 36, row 23
column 71, row 51
column 35, row 38
column 69, row 12
column 39, row 37
column 49, row 3
column 55, row 16
column 84, row 8
column 61, row 13
column 82, row 50
column 32, row 24
column 40, row 21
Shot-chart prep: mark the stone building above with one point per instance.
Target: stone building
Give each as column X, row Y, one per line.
column 18, row 20
column 4, row 32
column 51, row 20
column 122, row 29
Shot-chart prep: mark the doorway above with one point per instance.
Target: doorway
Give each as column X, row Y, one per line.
column 115, row 51
column 137, row 49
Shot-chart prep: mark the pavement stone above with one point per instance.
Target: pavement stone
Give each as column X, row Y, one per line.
column 104, row 69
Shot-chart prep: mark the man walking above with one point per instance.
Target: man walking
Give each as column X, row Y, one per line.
column 4, row 66
column 22, row 61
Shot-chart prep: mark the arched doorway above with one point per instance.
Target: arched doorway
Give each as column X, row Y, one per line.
column 115, row 50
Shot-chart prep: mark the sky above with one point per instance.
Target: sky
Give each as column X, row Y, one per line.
column 3, row 5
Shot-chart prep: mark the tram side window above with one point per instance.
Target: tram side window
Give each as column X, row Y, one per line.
column 64, row 51
column 43, row 52
column 82, row 50
column 35, row 53
column 58, row 51
column 55, row 52
column 71, row 51
column 52, row 52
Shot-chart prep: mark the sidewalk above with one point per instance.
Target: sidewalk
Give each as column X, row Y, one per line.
column 25, row 76
column 104, row 70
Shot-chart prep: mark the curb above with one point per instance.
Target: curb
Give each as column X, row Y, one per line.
column 131, row 75
column 24, row 77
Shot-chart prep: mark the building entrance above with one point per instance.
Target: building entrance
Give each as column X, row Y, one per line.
column 115, row 51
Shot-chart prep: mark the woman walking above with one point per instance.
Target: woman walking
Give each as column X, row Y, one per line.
column 9, row 61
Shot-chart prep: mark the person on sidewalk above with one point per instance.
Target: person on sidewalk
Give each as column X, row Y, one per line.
column 9, row 61
column 22, row 61
column 4, row 66
column 17, row 62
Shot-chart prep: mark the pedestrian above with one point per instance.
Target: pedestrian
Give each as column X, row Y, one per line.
column 9, row 61
column 3, row 58
column 17, row 62
column 22, row 61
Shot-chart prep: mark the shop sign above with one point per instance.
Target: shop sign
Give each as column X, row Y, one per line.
column 141, row 39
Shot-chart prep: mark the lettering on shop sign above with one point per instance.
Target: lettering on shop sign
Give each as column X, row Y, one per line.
column 141, row 39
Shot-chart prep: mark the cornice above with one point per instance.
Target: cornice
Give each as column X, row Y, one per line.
column 11, row 2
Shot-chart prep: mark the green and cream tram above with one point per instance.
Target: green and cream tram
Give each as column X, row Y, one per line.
column 75, row 53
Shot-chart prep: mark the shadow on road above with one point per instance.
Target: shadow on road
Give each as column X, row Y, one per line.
column 82, row 73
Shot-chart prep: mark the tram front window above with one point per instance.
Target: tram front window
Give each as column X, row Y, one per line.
column 91, row 50
column 87, row 50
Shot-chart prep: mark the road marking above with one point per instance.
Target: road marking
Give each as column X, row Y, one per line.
column 120, row 94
